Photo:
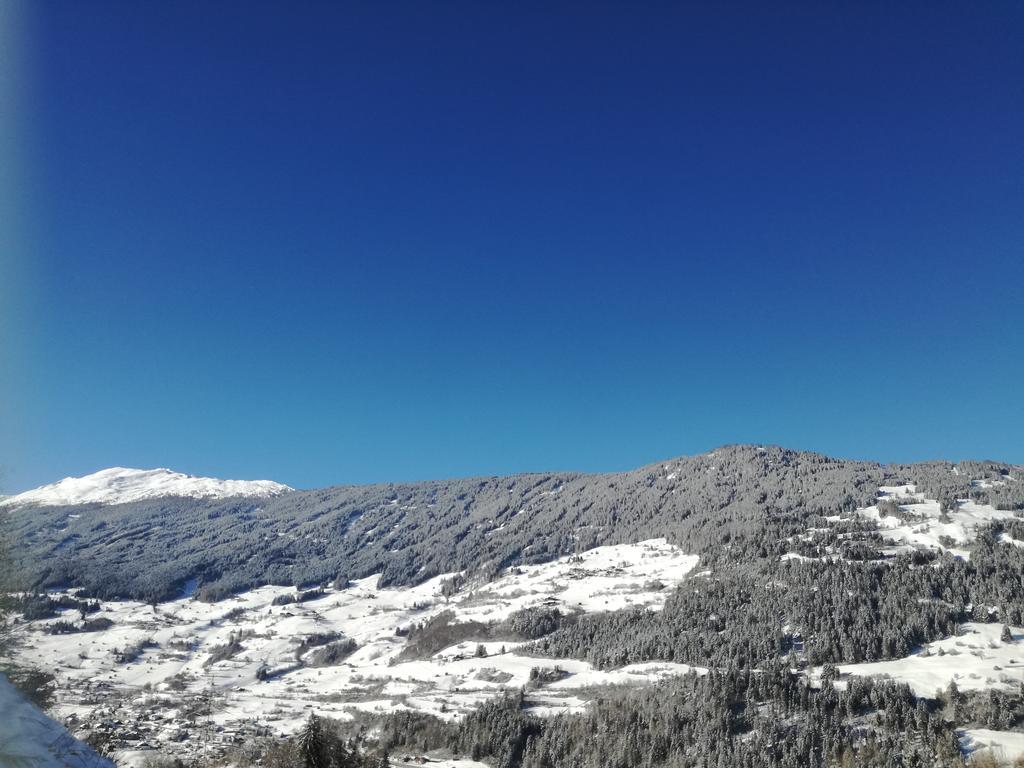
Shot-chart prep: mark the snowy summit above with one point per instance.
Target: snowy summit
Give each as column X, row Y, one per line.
column 119, row 485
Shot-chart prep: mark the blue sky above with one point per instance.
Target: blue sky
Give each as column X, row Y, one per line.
column 347, row 242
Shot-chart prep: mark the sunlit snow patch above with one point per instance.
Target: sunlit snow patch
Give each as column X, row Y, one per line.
column 119, row 485
column 921, row 522
column 247, row 650
column 975, row 660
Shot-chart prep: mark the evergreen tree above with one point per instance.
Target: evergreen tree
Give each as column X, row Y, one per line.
column 311, row 744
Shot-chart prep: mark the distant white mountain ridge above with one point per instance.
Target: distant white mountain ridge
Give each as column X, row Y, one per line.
column 119, row 485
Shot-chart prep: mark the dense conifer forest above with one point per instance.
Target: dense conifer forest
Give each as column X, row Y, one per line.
column 730, row 504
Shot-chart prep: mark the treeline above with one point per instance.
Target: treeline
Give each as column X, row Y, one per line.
column 820, row 611
column 33, row 607
column 443, row 630
column 714, row 504
column 733, row 719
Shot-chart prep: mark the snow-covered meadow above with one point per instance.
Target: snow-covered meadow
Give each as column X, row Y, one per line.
column 1005, row 746
column 977, row 659
column 242, row 663
column 922, row 522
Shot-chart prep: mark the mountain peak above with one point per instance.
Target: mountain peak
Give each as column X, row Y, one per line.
column 119, row 485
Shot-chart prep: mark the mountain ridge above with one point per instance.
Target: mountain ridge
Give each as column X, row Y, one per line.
column 119, row 485
column 734, row 501
column 439, row 600
column 187, row 485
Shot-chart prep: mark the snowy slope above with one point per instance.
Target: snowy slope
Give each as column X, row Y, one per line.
column 119, row 485
column 923, row 524
column 178, row 641
column 29, row 738
column 927, row 526
column 976, row 660
column 1004, row 745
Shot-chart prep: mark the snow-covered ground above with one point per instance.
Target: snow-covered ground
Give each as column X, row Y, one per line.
column 29, row 738
column 400, row 760
column 271, row 680
column 922, row 524
column 927, row 527
column 1006, row 746
column 119, row 485
column 975, row 660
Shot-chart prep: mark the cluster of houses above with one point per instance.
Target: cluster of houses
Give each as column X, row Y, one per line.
column 133, row 725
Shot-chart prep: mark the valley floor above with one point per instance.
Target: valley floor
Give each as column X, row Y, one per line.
column 189, row 677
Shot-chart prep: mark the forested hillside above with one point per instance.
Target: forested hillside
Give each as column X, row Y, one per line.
column 735, row 502
column 752, row 606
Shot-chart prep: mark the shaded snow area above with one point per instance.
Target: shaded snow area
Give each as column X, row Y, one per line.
column 404, row 760
column 1006, row 746
column 976, row 660
column 245, row 665
column 906, row 520
column 31, row 739
column 120, row 486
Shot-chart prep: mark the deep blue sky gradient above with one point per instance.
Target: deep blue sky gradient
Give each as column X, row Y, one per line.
column 345, row 242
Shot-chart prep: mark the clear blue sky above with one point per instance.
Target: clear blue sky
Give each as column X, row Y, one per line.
column 348, row 242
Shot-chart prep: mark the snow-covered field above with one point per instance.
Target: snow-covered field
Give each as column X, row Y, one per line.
column 1004, row 745
column 922, row 524
column 975, row 660
column 927, row 527
column 119, row 485
column 268, row 681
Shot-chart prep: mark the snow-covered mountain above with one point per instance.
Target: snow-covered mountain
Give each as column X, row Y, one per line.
column 469, row 604
column 119, row 485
